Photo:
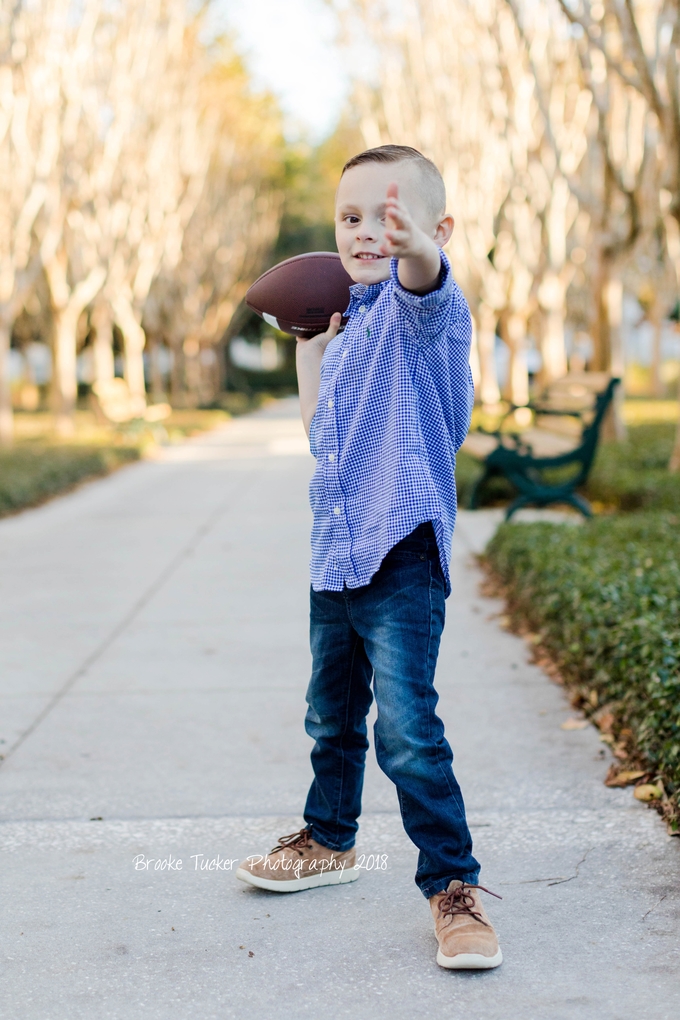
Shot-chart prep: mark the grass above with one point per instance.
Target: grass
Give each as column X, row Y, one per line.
column 30, row 473
column 41, row 465
column 604, row 601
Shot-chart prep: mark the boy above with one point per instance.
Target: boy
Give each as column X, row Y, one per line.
column 386, row 405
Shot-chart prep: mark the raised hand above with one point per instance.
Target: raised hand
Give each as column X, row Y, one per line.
column 403, row 238
column 418, row 252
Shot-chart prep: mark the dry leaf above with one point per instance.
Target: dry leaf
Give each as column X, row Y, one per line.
column 605, row 722
column 574, row 724
column 648, row 792
column 624, row 778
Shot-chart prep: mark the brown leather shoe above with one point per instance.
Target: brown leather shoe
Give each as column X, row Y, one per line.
column 466, row 938
column 298, row 862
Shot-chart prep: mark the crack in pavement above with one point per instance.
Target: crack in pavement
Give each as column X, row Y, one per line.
column 557, row 879
column 654, row 907
column 561, row 881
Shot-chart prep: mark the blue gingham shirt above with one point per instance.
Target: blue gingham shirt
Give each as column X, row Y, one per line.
column 394, row 407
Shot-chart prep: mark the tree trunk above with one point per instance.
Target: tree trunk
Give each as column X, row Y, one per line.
column 6, row 415
column 674, row 463
column 552, row 298
column 518, row 376
column 177, row 373
column 474, row 361
column 656, row 321
column 673, row 244
column 67, row 307
column 102, row 322
column 154, row 348
column 602, row 354
column 486, row 344
column 134, row 341
column 64, row 377
column 614, row 425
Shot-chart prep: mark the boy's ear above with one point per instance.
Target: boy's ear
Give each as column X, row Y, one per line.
column 444, row 230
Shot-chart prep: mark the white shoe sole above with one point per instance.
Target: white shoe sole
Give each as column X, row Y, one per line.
column 337, row 877
column 469, row 961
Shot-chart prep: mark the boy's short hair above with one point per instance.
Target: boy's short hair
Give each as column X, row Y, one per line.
column 435, row 191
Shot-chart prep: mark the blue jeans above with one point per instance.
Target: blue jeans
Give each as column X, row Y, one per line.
column 387, row 631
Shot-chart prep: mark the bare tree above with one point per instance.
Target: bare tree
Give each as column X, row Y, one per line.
column 233, row 226
column 29, row 72
column 636, row 43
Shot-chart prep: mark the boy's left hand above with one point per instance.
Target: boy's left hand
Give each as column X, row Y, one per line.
column 403, row 238
column 418, row 254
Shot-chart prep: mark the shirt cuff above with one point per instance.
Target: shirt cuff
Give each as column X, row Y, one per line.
column 434, row 299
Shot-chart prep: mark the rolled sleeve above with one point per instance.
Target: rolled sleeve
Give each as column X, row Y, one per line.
column 428, row 313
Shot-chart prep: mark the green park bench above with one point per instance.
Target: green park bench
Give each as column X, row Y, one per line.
column 544, row 480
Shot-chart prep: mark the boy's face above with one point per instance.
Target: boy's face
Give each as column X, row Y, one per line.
column 360, row 215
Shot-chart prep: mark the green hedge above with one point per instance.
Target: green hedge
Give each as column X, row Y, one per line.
column 605, row 598
column 634, row 475
column 626, row 476
column 31, row 473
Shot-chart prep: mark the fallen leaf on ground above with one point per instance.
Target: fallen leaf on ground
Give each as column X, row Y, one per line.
column 624, row 778
column 647, row 792
column 605, row 722
column 574, row 724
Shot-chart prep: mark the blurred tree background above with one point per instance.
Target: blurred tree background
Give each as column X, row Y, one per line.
column 145, row 184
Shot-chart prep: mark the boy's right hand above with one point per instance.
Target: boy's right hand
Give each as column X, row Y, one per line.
column 320, row 342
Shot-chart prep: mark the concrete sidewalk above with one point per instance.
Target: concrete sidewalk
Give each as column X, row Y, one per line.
column 153, row 664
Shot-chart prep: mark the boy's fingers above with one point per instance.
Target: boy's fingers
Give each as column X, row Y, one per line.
column 328, row 334
column 393, row 190
column 396, row 218
column 334, row 325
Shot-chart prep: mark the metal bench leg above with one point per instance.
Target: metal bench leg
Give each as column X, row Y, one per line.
column 478, row 486
column 517, row 504
column 580, row 504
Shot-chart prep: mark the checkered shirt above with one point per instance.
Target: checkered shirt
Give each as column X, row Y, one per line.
column 394, row 407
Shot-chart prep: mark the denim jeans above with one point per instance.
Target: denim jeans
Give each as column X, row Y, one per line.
column 388, row 632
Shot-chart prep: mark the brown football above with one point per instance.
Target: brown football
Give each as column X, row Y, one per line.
column 299, row 295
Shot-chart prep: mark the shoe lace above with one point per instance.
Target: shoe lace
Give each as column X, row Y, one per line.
column 460, row 901
column 296, row 841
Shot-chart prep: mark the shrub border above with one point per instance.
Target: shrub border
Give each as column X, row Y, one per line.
column 604, row 718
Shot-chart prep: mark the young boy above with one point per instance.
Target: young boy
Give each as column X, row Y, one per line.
column 386, row 404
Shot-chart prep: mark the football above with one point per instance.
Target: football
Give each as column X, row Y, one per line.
column 299, row 295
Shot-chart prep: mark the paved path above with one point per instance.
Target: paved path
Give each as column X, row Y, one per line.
column 153, row 663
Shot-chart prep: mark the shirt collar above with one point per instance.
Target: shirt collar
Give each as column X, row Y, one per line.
column 360, row 292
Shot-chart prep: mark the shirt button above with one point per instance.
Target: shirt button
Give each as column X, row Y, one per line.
column 344, row 354
column 331, row 403
column 362, row 308
column 331, row 456
column 337, row 511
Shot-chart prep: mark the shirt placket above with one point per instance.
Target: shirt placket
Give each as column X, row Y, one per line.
column 342, row 538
